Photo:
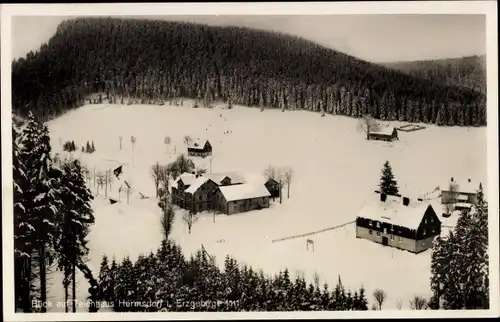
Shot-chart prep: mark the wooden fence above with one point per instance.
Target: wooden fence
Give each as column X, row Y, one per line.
column 314, row 232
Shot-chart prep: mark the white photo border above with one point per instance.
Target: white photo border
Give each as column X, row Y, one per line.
column 487, row 8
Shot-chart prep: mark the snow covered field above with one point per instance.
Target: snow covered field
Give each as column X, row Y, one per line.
column 335, row 170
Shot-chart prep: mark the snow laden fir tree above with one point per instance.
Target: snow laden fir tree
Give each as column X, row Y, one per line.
column 459, row 266
column 166, row 278
column 51, row 216
column 388, row 184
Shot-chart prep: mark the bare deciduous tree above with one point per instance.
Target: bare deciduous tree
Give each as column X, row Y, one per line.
column 270, row 173
column 121, row 139
column 399, row 304
column 156, row 174
column 453, row 193
column 167, row 219
column 367, row 124
column 189, row 218
column 100, row 180
column 288, row 173
column 187, row 139
column 165, row 174
column 418, row 303
column 128, row 191
column 380, row 297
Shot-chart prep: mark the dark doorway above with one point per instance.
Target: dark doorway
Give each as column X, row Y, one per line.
column 385, row 241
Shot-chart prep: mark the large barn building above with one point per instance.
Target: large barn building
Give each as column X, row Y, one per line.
column 398, row 222
column 241, row 198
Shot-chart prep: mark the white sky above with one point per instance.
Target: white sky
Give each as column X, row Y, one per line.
column 376, row 38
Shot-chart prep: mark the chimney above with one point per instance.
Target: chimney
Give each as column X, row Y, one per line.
column 451, row 179
column 406, row 201
column 468, row 180
column 383, row 197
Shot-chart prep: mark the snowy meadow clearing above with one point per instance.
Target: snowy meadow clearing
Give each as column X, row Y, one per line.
column 335, row 171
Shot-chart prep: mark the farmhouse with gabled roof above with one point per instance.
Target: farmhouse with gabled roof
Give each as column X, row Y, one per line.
column 199, row 148
column 398, row 222
column 384, row 133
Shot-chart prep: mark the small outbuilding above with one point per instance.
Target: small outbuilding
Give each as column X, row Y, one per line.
column 386, row 133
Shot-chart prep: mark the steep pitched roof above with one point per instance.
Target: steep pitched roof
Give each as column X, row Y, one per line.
column 218, row 177
column 393, row 211
column 244, row 191
column 462, row 187
column 197, row 144
column 196, row 184
column 187, row 179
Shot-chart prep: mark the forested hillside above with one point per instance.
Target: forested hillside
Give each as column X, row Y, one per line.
column 149, row 59
column 469, row 72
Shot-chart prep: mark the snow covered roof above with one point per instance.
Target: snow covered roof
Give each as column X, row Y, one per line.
column 197, row 144
column 384, row 130
column 466, row 186
column 244, row 191
column 187, row 178
column 394, row 212
column 196, row 184
column 218, row 177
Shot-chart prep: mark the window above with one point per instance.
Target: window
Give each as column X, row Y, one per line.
column 378, row 224
column 433, row 230
column 369, row 222
column 378, row 233
column 392, row 237
column 399, row 239
column 424, row 232
column 201, row 197
column 425, row 221
column 370, row 232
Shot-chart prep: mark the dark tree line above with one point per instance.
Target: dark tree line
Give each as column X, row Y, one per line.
column 469, row 72
column 151, row 60
column 170, row 277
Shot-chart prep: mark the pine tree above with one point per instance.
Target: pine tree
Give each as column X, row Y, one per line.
column 41, row 196
column 77, row 217
column 87, row 147
column 388, row 184
column 22, row 229
column 461, row 259
column 92, row 148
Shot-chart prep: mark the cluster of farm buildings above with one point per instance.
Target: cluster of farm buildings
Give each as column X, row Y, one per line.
column 395, row 221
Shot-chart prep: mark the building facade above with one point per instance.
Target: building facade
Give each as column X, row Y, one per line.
column 455, row 192
column 200, row 149
column 384, row 134
column 399, row 224
column 241, row 198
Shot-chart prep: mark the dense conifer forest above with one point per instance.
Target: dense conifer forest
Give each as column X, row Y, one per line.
column 152, row 61
column 469, row 72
